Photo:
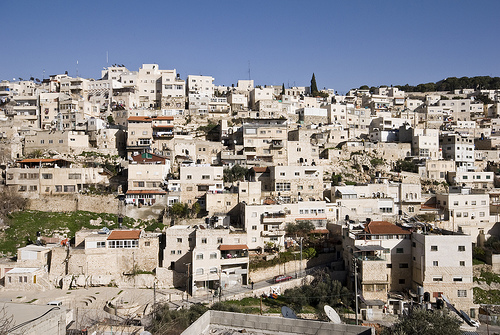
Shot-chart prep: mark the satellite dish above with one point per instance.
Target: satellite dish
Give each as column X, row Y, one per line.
column 288, row 313
column 332, row 315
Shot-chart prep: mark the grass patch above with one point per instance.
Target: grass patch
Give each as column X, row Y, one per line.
column 23, row 226
column 476, row 261
column 32, row 301
column 486, row 297
column 488, row 277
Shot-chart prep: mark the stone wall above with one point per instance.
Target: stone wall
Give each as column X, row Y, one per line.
column 289, row 267
column 75, row 202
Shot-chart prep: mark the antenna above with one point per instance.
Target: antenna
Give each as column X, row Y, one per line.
column 107, row 59
column 77, row 68
column 249, row 77
column 288, row 313
column 332, row 315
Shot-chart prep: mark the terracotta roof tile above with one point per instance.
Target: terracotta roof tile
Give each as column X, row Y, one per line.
column 225, row 247
column 384, row 228
column 139, row 118
column 124, row 235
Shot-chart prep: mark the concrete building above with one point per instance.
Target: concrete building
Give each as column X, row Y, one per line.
column 442, row 265
column 37, row 176
column 264, row 142
column 465, row 211
column 458, row 148
column 63, row 142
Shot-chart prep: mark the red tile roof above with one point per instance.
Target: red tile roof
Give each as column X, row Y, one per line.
column 124, row 235
column 139, row 118
column 225, row 247
column 260, row 168
column 385, row 228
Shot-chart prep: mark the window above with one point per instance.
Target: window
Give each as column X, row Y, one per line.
column 399, row 250
column 403, row 265
column 189, row 176
column 213, row 255
column 213, row 270
column 254, row 239
column 435, row 263
column 172, row 252
column 69, row 188
column 457, row 278
column 461, row 248
column 205, row 176
column 434, row 248
column 179, row 252
column 388, row 265
column 199, row 256
column 199, row 271
column 219, row 240
column 402, row 281
column 437, row 279
column 147, row 244
column 282, row 187
column 204, row 240
column 101, row 244
column 46, row 175
column 462, row 263
column 179, row 240
column 462, row 293
column 75, row 176
column 254, row 227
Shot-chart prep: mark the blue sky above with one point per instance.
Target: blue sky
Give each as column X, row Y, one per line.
column 345, row 43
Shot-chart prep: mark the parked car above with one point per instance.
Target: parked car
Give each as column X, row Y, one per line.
column 279, row 279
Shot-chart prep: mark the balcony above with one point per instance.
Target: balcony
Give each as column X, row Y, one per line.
column 163, row 134
column 270, row 233
column 277, row 144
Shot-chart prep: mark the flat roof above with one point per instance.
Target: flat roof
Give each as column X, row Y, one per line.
column 22, row 270
column 146, row 192
column 124, row 235
column 39, row 160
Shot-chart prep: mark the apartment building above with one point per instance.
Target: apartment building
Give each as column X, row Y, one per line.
column 438, row 169
column 149, row 86
column 472, row 179
column 264, row 141
column 104, row 257
column 383, row 255
column 37, row 176
column 260, row 93
column 147, row 178
column 442, row 265
column 207, row 259
column 265, row 224
column 458, row 148
column 203, row 85
column 195, row 181
column 464, row 210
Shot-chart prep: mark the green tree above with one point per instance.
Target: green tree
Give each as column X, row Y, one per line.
column 283, row 89
column 237, row 172
column 179, row 210
column 301, row 228
column 421, row 321
column 408, row 166
column 336, row 179
column 195, row 209
column 110, row 119
column 314, row 87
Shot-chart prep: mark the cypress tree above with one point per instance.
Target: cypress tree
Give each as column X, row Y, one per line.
column 314, row 87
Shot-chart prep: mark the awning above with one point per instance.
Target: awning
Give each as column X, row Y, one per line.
column 369, row 247
column 226, row 247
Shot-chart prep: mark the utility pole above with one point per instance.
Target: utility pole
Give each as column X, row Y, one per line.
column 356, row 288
column 300, row 272
column 187, row 282
column 154, row 299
